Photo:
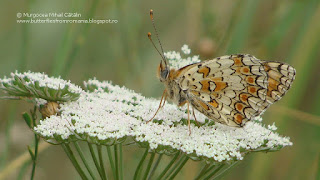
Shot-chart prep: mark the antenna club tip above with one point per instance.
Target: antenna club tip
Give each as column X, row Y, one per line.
column 151, row 13
column 149, row 34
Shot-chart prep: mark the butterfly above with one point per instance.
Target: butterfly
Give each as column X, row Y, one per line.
column 231, row 89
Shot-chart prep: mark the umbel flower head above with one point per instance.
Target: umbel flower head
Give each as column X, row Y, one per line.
column 39, row 85
column 108, row 114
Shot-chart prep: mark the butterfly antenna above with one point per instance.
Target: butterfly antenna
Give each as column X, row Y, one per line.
column 149, row 36
column 155, row 29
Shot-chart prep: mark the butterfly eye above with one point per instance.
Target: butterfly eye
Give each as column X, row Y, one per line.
column 164, row 73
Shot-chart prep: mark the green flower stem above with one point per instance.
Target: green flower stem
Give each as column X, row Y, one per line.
column 75, row 163
column 174, row 166
column 120, row 162
column 84, row 160
column 217, row 169
column 101, row 163
column 202, row 172
column 34, row 159
column 168, row 166
column 111, row 162
column 135, row 177
column 225, row 170
column 36, row 145
column 116, row 160
column 155, row 166
column 149, row 166
column 95, row 160
column 208, row 170
column 178, row 169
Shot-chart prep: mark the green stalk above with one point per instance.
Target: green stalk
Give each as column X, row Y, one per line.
column 149, row 166
column 116, row 161
column 84, row 160
column 184, row 161
column 225, row 170
column 111, row 162
column 34, row 159
column 120, row 162
column 214, row 172
column 155, row 166
column 75, row 163
column 176, row 165
column 135, row 177
column 101, row 162
column 202, row 172
column 208, row 170
column 36, row 145
column 95, row 160
column 168, row 166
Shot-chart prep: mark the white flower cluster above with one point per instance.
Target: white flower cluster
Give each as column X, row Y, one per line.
column 107, row 113
column 39, row 85
column 185, row 49
column 177, row 62
column 46, row 81
column 113, row 112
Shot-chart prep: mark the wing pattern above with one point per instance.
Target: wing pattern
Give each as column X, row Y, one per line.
column 234, row 89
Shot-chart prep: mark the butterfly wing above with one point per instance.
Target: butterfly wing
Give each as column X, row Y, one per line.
column 234, row 89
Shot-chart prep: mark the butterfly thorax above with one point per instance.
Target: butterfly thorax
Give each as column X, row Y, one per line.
column 174, row 93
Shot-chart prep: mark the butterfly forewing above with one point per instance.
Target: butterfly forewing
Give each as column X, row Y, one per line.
column 234, row 89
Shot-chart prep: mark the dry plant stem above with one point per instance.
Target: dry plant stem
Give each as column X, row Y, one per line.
column 84, row 160
column 168, row 166
column 101, row 162
column 295, row 113
column 18, row 162
column 95, row 160
column 73, row 160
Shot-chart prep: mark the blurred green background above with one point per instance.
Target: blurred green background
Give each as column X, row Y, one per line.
column 281, row 30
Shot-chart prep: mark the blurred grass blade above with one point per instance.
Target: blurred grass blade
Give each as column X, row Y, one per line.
column 241, row 30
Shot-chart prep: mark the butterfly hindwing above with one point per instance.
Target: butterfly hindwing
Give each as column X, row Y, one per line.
column 234, row 89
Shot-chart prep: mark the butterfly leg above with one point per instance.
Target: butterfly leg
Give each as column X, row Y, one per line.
column 189, row 118
column 195, row 117
column 165, row 97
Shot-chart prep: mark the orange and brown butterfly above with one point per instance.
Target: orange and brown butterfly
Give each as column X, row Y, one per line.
column 230, row 89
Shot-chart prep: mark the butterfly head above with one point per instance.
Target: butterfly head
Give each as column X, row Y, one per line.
column 163, row 71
